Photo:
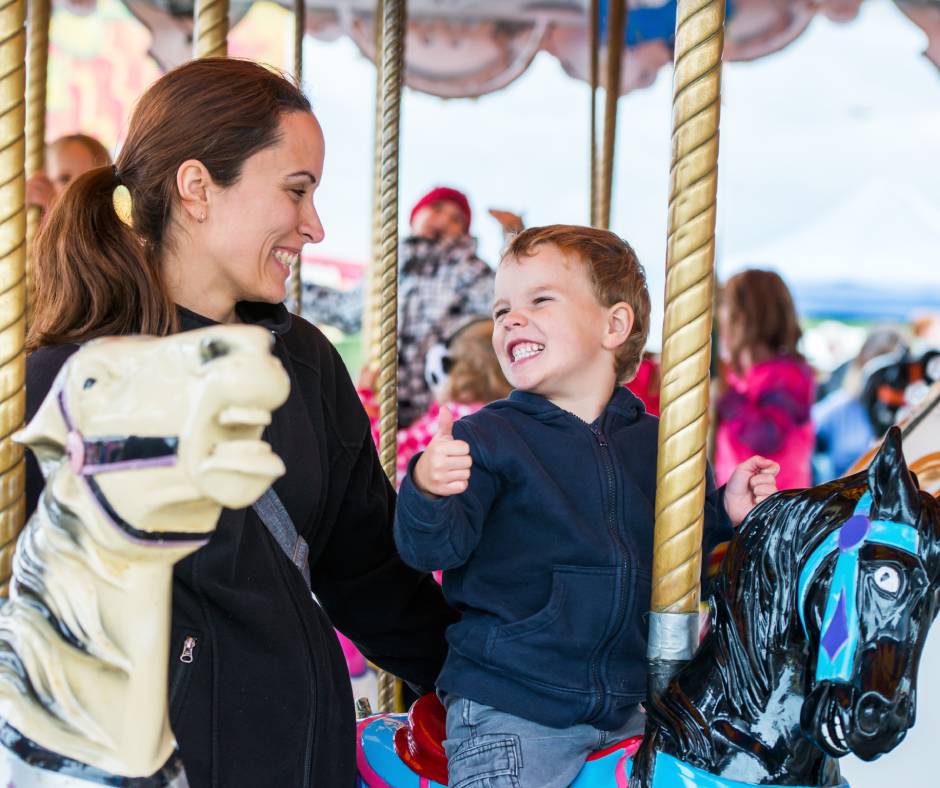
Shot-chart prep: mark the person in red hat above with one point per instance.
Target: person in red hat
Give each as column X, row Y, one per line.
column 440, row 279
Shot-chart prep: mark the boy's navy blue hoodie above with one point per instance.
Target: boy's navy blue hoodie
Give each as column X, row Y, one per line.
column 548, row 556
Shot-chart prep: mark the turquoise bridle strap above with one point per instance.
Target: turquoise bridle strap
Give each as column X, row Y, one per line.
column 839, row 632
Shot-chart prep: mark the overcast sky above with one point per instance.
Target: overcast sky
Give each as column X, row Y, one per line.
column 802, row 132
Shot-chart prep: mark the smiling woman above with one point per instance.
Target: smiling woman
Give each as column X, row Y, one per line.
column 219, row 169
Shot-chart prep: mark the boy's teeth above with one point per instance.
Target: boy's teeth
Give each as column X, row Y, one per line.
column 526, row 349
column 288, row 259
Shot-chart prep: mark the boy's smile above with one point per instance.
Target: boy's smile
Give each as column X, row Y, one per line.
column 551, row 333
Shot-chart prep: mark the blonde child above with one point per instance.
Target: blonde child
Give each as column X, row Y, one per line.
column 540, row 509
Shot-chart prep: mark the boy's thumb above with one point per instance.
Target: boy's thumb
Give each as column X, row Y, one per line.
column 445, row 423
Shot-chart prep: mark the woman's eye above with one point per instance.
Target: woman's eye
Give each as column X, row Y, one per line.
column 887, row 579
column 299, row 192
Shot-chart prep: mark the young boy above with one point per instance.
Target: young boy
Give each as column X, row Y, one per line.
column 540, row 508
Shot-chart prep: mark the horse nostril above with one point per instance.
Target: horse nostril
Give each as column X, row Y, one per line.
column 869, row 713
column 211, row 349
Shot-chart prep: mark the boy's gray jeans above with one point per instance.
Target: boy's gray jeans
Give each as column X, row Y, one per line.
column 488, row 748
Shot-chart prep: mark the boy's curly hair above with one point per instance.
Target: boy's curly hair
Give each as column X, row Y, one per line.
column 614, row 271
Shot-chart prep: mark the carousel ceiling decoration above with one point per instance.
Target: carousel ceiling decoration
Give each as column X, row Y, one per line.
column 466, row 48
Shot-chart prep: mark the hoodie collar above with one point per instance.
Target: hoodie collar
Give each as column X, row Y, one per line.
column 623, row 402
column 273, row 317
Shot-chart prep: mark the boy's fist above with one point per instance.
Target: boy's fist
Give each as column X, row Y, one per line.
column 752, row 481
column 444, row 467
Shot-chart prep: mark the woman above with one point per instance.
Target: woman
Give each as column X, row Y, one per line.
column 221, row 163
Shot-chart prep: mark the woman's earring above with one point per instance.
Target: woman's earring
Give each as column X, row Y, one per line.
column 202, row 218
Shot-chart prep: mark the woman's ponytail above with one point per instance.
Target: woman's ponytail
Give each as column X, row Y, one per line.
column 93, row 275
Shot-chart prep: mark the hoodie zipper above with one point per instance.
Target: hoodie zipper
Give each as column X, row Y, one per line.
column 610, row 508
column 186, row 657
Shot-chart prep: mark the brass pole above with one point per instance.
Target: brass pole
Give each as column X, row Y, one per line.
column 210, row 29
column 595, row 69
column 370, row 317
column 12, row 277
column 616, row 30
column 300, row 24
column 38, row 57
column 393, row 39
column 690, row 256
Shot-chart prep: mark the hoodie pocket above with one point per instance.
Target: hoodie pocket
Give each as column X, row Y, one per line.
column 184, row 651
column 554, row 645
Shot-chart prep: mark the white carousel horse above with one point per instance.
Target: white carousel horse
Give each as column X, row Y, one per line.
column 142, row 441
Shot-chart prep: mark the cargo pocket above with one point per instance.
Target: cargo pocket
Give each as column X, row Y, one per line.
column 184, row 651
column 553, row 644
column 491, row 760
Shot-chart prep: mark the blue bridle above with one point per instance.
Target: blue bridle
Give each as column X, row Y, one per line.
column 839, row 633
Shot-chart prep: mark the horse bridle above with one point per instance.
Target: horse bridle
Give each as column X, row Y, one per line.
column 91, row 456
column 839, row 631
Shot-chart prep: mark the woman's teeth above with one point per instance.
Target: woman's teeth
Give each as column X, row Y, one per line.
column 525, row 350
column 286, row 258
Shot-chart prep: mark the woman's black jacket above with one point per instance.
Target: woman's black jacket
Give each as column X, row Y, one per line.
column 266, row 699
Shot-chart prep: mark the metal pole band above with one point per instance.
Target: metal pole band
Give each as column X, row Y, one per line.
column 12, row 276
column 211, row 28
column 683, row 427
column 673, row 636
column 393, row 39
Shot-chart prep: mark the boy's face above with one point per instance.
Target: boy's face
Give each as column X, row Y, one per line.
column 550, row 331
column 66, row 162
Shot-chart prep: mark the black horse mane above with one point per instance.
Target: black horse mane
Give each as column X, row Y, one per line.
column 754, row 604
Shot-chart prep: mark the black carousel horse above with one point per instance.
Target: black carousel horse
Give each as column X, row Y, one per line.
column 819, row 614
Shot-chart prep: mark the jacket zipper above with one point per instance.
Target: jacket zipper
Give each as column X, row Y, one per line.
column 186, row 657
column 624, row 563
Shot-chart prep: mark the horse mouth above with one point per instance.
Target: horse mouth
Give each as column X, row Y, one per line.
column 832, row 733
column 241, row 450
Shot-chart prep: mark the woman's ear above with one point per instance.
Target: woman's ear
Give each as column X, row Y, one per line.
column 192, row 183
column 620, row 321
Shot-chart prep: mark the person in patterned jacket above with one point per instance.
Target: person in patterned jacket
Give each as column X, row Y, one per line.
column 440, row 279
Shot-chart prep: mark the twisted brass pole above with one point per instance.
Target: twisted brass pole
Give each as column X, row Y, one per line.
column 616, row 29
column 300, row 24
column 370, row 317
column 595, row 68
column 393, row 39
column 38, row 56
column 210, row 30
column 12, row 276
column 690, row 255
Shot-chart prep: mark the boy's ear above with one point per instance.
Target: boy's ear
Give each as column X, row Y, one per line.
column 619, row 325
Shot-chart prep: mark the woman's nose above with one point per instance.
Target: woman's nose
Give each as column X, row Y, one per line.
column 311, row 228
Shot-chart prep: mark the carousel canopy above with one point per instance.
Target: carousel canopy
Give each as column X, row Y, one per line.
column 465, row 48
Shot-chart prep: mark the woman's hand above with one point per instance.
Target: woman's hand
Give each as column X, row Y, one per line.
column 752, row 481
column 444, row 467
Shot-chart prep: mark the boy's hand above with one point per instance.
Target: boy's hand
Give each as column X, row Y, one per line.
column 752, row 481
column 444, row 468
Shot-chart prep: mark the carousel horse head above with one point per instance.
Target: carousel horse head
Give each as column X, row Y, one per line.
column 835, row 587
column 142, row 442
column 164, row 432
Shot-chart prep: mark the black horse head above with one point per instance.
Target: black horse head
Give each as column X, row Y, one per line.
column 867, row 595
column 819, row 614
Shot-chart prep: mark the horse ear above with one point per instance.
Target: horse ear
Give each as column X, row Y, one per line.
column 893, row 488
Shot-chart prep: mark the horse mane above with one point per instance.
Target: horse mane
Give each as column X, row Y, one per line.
column 754, row 600
column 55, row 536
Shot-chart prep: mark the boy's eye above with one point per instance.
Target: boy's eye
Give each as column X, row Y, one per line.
column 541, row 299
column 499, row 313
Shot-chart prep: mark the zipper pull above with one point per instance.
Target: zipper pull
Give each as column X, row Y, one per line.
column 602, row 441
column 189, row 645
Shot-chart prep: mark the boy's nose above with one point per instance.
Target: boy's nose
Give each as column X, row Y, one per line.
column 514, row 319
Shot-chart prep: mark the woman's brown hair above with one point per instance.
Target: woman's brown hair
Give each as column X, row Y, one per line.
column 475, row 375
column 93, row 274
column 760, row 309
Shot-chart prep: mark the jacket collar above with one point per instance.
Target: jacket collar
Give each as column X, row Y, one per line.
column 623, row 402
column 273, row 317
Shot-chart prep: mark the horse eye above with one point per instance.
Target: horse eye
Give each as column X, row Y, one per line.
column 89, row 382
column 211, row 349
column 887, row 579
